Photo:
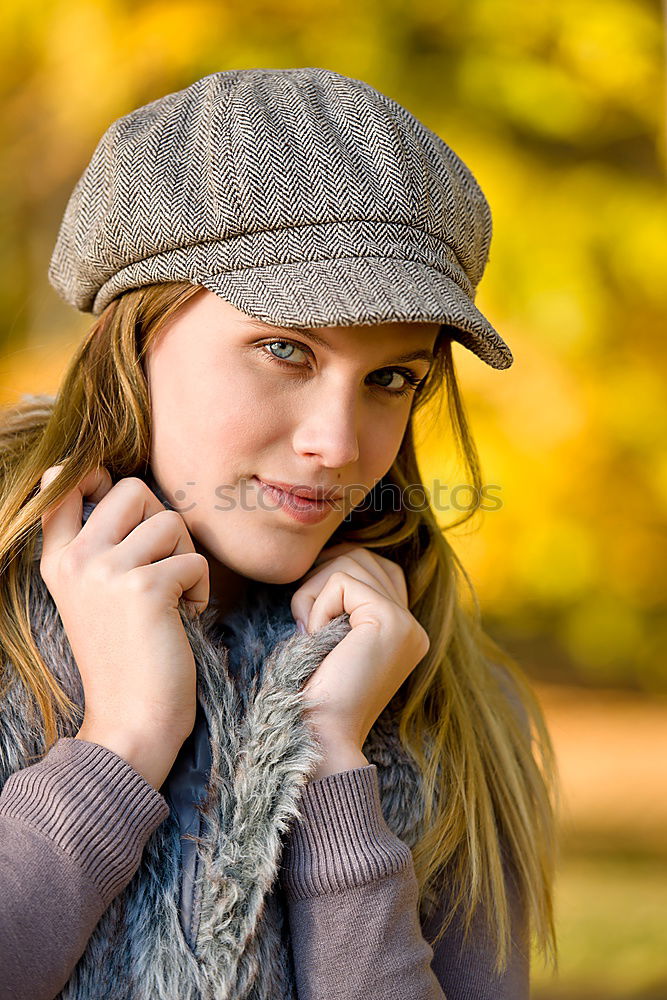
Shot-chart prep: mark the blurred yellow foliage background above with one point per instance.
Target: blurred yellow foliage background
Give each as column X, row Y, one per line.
column 559, row 110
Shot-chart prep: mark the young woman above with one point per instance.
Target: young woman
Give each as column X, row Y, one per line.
column 252, row 744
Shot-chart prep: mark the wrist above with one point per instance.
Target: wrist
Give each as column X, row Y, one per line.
column 339, row 755
column 151, row 756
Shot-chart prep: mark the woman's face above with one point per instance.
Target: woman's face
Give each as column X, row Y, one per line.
column 236, row 401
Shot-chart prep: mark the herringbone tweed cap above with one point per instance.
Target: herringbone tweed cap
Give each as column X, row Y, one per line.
column 301, row 196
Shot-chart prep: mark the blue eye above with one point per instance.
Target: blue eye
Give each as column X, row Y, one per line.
column 411, row 379
column 405, row 373
column 283, row 344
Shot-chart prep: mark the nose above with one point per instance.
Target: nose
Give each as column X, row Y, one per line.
column 327, row 427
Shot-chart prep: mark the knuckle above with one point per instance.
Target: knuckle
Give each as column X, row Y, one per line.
column 141, row 584
column 408, row 623
column 171, row 518
column 48, row 475
column 423, row 639
column 45, row 568
column 72, row 560
column 398, row 571
column 131, row 483
column 201, row 560
column 101, row 572
column 393, row 569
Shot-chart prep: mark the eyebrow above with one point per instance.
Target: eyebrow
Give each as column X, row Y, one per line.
column 420, row 355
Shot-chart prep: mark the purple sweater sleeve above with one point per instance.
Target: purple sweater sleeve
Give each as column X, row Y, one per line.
column 352, row 897
column 72, row 831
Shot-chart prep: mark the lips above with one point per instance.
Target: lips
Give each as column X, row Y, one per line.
column 318, row 493
column 302, row 509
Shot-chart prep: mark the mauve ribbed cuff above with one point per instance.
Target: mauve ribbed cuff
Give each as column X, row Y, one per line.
column 92, row 804
column 343, row 840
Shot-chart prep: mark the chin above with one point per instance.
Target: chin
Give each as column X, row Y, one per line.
column 279, row 571
column 277, row 578
column 264, row 559
column 279, row 564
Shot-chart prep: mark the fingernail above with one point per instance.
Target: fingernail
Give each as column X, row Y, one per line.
column 300, row 626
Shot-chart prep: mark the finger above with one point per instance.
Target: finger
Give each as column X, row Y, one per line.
column 392, row 570
column 345, row 593
column 183, row 575
column 305, row 598
column 61, row 521
column 160, row 539
column 119, row 512
column 374, row 564
column 398, row 576
column 163, row 535
column 384, row 570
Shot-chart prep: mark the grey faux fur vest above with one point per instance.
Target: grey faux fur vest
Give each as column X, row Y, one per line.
column 262, row 753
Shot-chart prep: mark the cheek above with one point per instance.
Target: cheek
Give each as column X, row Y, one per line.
column 380, row 443
column 234, row 418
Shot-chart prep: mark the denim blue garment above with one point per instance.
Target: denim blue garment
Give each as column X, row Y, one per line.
column 185, row 788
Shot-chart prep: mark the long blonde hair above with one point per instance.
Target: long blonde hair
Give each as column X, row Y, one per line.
column 490, row 796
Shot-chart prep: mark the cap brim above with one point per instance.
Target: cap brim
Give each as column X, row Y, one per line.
column 353, row 291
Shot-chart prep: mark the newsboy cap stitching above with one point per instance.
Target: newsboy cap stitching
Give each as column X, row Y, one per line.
column 452, row 272
column 289, row 147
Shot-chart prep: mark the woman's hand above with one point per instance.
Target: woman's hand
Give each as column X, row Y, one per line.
column 117, row 581
column 358, row 678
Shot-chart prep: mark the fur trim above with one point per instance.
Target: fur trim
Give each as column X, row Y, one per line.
column 263, row 753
